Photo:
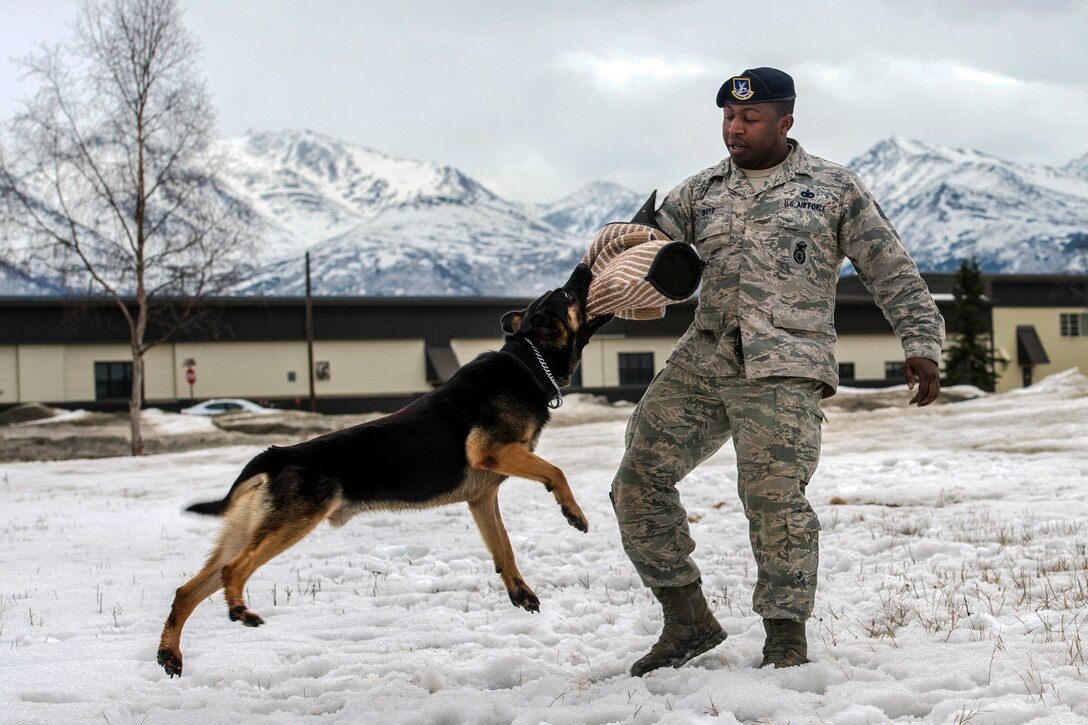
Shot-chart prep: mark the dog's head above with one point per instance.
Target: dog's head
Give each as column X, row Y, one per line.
column 556, row 323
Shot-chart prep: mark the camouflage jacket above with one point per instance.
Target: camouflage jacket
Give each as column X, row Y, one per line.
column 772, row 264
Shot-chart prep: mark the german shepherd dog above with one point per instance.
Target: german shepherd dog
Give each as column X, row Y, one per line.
column 457, row 443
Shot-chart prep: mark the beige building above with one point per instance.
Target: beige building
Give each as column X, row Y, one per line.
column 380, row 353
column 1040, row 325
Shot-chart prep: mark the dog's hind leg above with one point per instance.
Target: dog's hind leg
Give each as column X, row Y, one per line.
column 485, row 510
column 235, row 532
column 278, row 532
column 513, row 459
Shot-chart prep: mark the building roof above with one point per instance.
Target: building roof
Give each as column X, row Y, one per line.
column 437, row 320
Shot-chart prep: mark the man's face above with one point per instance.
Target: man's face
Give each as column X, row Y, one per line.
column 755, row 134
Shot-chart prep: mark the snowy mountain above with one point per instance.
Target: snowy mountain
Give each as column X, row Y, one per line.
column 1077, row 167
column 486, row 247
column 950, row 204
column 595, row 204
column 376, row 225
column 309, row 188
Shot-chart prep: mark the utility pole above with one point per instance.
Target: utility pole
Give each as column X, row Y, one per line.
column 310, row 336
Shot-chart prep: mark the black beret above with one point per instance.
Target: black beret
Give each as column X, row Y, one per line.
column 757, row 85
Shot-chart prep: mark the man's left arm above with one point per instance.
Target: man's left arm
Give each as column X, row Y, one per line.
column 871, row 243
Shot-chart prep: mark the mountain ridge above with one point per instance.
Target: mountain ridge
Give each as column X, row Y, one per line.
column 380, row 225
column 950, row 204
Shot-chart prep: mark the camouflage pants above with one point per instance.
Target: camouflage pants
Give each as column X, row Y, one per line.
column 681, row 421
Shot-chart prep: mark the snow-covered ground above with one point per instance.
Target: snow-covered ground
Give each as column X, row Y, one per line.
column 953, row 589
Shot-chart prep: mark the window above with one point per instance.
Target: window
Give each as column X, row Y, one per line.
column 112, row 380
column 1074, row 324
column 893, row 370
column 846, row 371
column 636, row 368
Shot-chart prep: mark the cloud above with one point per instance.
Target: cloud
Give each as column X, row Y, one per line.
column 893, row 80
column 890, row 77
column 845, row 107
column 622, row 71
column 981, row 77
column 538, row 98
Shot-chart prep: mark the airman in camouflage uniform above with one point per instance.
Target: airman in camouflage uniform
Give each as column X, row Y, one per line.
column 755, row 363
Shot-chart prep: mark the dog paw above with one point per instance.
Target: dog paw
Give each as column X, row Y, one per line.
column 525, row 598
column 576, row 519
column 246, row 617
column 170, row 661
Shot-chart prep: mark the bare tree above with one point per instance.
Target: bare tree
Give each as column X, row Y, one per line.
column 108, row 175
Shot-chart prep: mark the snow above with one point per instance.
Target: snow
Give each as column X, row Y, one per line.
column 953, row 588
column 64, row 416
column 163, row 423
column 153, row 420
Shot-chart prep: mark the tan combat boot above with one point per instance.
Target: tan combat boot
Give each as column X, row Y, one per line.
column 786, row 645
column 690, row 629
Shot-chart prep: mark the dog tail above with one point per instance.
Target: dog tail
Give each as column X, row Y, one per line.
column 210, row 508
column 254, row 474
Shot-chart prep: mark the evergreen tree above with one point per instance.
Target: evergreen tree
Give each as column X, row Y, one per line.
column 970, row 357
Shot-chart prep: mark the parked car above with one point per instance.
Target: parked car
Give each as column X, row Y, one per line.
column 219, row 406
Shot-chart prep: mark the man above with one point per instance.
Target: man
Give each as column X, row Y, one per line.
column 773, row 225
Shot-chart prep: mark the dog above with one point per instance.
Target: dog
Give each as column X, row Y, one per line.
column 456, row 443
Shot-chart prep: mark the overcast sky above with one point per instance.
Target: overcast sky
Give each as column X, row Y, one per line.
column 536, row 99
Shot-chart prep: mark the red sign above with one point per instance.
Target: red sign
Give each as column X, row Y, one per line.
column 190, row 376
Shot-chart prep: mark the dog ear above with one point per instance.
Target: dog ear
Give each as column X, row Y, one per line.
column 511, row 321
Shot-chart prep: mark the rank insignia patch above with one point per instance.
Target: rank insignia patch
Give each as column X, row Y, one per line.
column 799, row 253
column 742, row 89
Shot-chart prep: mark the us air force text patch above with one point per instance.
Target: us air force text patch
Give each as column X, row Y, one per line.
column 804, row 204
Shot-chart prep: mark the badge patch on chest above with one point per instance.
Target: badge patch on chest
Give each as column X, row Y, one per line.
column 799, row 253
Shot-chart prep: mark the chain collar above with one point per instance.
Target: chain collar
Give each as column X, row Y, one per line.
column 558, row 399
